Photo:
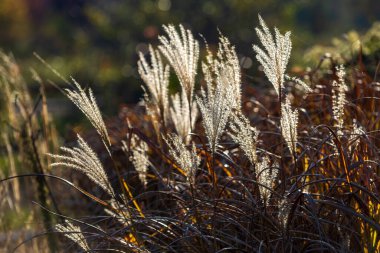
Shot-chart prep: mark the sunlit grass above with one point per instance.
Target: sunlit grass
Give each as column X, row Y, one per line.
column 293, row 170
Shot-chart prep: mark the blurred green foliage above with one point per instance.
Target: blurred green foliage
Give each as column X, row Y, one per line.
column 96, row 41
column 350, row 47
column 12, row 220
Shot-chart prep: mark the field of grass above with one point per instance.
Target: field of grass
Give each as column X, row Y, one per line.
column 213, row 165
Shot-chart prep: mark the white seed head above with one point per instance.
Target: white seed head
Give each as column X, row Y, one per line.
column 357, row 131
column 215, row 107
column 298, row 81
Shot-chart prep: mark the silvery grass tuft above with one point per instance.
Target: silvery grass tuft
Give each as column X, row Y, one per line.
column 87, row 104
column 74, row 233
column 289, row 122
column 274, row 58
column 182, row 52
column 85, row 160
column 179, row 110
column 156, row 79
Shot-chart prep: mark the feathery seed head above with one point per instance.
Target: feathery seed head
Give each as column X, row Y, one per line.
column 274, row 56
column 156, row 79
column 215, row 107
column 289, row 122
column 298, row 81
column 74, row 233
column 87, row 104
column 357, row 131
column 84, row 159
column 226, row 69
column 139, row 156
column 283, row 212
column 266, row 177
column 180, row 115
column 222, row 92
column 182, row 52
column 245, row 135
column 339, row 99
column 187, row 159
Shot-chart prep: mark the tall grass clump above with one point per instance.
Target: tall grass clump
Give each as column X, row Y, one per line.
column 27, row 133
column 291, row 172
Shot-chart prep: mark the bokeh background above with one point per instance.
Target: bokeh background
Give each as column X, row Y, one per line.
column 97, row 41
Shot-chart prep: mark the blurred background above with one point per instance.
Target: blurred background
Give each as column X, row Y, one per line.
column 96, row 41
